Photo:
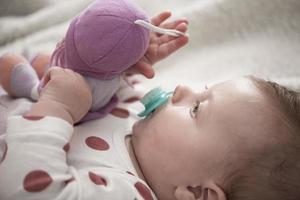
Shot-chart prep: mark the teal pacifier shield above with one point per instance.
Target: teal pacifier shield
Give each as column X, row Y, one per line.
column 154, row 99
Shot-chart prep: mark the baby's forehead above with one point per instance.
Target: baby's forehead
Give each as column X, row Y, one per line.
column 239, row 102
column 235, row 95
column 243, row 86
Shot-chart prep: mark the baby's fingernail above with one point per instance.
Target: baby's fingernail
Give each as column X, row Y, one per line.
column 40, row 87
column 42, row 83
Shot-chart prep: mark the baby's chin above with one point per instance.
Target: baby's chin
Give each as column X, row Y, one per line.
column 138, row 129
column 137, row 126
column 136, row 134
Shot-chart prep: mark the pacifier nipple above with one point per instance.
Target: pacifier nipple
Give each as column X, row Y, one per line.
column 154, row 99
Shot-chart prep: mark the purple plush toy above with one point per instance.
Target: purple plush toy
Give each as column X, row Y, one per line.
column 103, row 41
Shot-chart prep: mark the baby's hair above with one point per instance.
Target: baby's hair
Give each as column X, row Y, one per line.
column 274, row 174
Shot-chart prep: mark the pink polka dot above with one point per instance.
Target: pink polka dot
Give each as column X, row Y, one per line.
column 143, row 190
column 120, row 112
column 132, row 99
column 33, row 118
column 98, row 180
column 4, row 147
column 66, row 148
column 37, row 181
column 97, row 143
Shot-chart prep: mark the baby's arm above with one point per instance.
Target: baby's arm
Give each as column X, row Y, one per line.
column 34, row 165
column 66, row 95
column 34, row 158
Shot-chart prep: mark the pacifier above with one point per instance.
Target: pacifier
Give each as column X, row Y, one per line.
column 154, row 99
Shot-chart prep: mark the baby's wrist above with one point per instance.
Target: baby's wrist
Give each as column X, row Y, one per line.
column 50, row 108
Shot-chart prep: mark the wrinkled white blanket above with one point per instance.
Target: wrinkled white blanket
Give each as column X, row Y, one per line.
column 228, row 38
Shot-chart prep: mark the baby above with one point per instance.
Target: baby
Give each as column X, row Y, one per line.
column 237, row 140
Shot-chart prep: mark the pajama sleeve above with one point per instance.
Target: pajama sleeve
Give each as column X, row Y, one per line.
column 34, row 165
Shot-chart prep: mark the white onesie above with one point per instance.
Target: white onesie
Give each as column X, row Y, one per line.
column 46, row 158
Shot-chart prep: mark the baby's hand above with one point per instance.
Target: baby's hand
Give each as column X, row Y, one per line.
column 160, row 46
column 65, row 95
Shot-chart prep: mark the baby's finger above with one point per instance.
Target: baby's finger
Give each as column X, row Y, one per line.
column 70, row 73
column 174, row 24
column 166, row 38
column 49, row 74
column 173, row 45
column 143, row 68
column 182, row 27
column 157, row 20
column 147, row 70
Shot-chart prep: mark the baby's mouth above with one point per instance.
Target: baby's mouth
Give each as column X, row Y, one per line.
column 154, row 100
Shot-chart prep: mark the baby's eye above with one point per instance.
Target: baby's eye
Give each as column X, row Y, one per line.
column 194, row 109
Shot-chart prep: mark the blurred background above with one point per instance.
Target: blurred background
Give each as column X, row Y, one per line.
column 228, row 38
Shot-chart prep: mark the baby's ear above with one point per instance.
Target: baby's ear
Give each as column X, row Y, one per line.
column 208, row 191
column 184, row 193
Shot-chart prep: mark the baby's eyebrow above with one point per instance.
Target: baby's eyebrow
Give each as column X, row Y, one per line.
column 204, row 94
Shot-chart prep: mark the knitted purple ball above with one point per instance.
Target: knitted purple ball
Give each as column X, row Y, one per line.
column 103, row 40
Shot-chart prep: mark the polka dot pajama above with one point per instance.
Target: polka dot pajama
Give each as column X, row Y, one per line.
column 46, row 158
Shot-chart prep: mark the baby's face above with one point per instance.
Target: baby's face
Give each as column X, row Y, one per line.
column 188, row 139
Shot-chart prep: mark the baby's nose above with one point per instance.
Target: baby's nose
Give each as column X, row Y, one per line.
column 180, row 93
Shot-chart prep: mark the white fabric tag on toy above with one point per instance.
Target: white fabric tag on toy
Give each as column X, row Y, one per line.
column 160, row 30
